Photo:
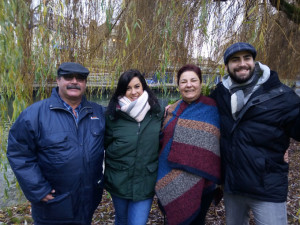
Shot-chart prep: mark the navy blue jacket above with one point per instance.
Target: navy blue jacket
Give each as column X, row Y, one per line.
column 48, row 150
column 253, row 146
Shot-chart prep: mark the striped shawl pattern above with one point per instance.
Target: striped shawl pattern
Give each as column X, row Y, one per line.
column 189, row 161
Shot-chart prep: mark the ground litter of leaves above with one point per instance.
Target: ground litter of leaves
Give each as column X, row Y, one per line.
column 104, row 214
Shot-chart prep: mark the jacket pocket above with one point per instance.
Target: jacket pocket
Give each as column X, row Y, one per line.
column 117, row 179
column 53, row 140
column 248, row 175
column 276, row 179
column 55, row 148
column 95, row 142
column 59, row 208
column 149, row 180
column 97, row 128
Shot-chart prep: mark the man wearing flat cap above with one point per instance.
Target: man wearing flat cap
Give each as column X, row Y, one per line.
column 258, row 115
column 55, row 149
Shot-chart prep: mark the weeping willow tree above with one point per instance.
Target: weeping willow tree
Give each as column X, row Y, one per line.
column 111, row 36
column 271, row 26
column 14, row 67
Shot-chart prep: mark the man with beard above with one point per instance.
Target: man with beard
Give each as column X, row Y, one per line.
column 258, row 116
column 55, row 149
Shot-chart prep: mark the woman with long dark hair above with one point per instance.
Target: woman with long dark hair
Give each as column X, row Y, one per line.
column 133, row 124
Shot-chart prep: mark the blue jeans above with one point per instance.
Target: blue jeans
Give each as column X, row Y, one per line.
column 237, row 209
column 128, row 212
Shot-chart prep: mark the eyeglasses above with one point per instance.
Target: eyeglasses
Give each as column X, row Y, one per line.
column 79, row 78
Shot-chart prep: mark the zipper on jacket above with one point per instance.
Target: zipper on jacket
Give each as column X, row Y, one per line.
column 84, row 108
column 139, row 126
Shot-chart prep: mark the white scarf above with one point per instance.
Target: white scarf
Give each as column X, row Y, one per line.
column 136, row 109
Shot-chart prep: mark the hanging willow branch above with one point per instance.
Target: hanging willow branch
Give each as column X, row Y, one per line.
column 107, row 31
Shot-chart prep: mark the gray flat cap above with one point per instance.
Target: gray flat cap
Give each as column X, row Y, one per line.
column 238, row 47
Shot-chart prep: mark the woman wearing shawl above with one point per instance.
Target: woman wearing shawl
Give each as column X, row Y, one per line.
column 133, row 123
column 189, row 161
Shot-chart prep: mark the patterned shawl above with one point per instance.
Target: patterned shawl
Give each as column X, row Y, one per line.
column 189, row 161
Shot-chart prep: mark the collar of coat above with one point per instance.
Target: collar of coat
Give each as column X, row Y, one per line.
column 56, row 101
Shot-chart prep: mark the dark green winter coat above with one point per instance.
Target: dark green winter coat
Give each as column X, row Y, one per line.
column 131, row 157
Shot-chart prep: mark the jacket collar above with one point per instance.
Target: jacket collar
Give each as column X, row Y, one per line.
column 56, row 102
column 269, row 90
column 271, row 83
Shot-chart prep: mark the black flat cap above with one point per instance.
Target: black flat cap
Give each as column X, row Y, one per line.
column 67, row 68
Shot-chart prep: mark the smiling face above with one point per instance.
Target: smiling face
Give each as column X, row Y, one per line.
column 241, row 66
column 134, row 89
column 71, row 87
column 189, row 86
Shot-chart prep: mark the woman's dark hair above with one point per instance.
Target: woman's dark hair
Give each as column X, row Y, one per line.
column 123, row 82
column 189, row 67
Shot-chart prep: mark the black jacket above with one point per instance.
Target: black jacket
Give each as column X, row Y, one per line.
column 253, row 146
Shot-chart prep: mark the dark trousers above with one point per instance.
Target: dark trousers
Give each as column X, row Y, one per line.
column 206, row 200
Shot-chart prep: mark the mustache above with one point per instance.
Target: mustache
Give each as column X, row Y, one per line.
column 74, row 87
